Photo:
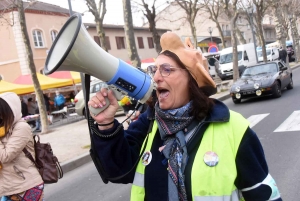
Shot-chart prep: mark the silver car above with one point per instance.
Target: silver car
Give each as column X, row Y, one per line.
column 94, row 88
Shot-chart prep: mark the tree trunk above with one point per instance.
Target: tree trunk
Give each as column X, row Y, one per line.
column 129, row 33
column 234, row 49
column 152, row 26
column 29, row 55
column 295, row 37
column 261, row 36
column 155, row 36
column 193, row 30
column 101, row 34
column 278, row 19
column 240, row 36
column 221, row 34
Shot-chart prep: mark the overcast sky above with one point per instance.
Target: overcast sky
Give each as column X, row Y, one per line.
column 114, row 14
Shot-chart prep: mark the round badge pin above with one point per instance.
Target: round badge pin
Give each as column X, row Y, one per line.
column 211, row 159
column 146, row 158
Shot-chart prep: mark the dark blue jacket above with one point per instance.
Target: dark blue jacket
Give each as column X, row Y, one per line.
column 119, row 154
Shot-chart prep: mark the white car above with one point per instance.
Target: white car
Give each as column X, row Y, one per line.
column 95, row 86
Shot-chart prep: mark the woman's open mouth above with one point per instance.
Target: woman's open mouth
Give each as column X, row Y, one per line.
column 162, row 93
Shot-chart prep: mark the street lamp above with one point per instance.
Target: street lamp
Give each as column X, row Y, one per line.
column 250, row 13
column 210, row 30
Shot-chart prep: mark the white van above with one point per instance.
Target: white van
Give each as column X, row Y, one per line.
column 246, row 57
column 272, row 54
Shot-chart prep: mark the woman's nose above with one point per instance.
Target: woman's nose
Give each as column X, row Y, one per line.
column 157, row 76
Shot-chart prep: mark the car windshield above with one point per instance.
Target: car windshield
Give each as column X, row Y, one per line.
column 261, row 69
column 260, row 54
column 227, row 58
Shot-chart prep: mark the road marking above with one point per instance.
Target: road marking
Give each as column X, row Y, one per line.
column 292, row 123
column 254, row 119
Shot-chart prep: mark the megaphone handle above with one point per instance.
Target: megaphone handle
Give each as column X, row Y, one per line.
column 118, row 94
column 96, row 111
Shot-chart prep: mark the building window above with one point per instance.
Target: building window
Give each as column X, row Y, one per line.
column 97, row 40
column 107, row 42
column 223, row 27
column 243, row 34
column 38, row 38
column 120, row 42
column 240, row 21
column 227, row 27
column 140, row 42
column 150, row 42
column 249, row 40
column 53, row 35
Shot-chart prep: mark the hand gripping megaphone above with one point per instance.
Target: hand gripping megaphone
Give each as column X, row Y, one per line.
column 74, row 50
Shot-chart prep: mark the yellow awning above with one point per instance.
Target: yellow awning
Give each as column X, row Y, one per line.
column 45, row 82
column 17, row 88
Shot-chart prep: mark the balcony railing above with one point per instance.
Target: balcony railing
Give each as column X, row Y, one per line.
column 226, row 33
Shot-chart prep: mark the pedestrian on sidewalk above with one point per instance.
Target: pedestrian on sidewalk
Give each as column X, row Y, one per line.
column 19, row 178
column 59, row 101
column 196, row 149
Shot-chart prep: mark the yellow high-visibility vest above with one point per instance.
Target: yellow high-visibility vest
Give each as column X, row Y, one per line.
column 208, row 183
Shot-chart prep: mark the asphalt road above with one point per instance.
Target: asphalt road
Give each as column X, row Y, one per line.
column 276, row 122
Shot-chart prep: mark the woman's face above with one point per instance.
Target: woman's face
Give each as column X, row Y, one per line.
column 172, row 87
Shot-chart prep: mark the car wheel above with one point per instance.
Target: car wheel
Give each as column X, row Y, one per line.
column 291, row 84
column 276, row 90
column 236, row 101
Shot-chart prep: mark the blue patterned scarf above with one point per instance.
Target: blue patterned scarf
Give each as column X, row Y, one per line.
column 171, row 124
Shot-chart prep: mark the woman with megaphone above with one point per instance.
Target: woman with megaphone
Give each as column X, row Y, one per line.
column 196, row 148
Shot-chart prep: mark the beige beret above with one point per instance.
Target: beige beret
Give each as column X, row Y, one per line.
column 192, row 58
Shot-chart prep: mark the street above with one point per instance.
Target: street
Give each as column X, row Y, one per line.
column 276, row 122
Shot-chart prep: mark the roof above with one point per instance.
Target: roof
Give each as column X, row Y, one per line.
column 34, row 6
column 113, row 26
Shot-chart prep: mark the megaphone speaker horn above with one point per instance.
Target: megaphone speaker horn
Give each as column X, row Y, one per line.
column 75, row 50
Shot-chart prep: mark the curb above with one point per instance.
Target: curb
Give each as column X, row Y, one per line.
column 74, row 163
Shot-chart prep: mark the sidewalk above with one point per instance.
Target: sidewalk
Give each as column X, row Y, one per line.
column 71, row 142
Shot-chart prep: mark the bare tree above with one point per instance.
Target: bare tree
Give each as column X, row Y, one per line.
column 31, row 65
column 294, row 11
column 214, row 9
column 191, row 8
column 99, row 11
column 281, row 33
column 230, row 9
column 240, row 36
column 129, row 33
column 150, row 14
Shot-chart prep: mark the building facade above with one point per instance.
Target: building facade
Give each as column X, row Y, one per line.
column 206, row 29
column 44, row 22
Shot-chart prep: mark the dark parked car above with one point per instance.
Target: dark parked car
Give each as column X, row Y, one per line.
column 262, row 80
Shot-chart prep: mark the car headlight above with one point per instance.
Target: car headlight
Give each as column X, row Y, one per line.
column 256, row 86
column 238, row 95
column 238, row 89
column 258, row 92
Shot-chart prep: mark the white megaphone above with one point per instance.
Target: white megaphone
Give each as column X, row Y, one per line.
column 74, row 50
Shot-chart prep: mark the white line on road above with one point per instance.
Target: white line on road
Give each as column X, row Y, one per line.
column 292, row 123
column 254, row 119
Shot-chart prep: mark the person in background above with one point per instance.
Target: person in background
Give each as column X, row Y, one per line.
column 31, row 105
column 198, row 149
column 59, row 101
column 47, row 103
column 24, row 108
column 282, row 54
column 19, row 178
